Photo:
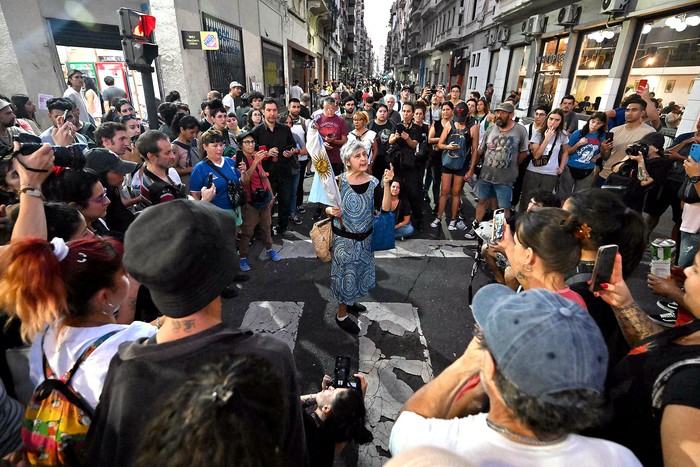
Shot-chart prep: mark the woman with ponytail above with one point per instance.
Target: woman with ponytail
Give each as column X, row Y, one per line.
column 545, row 246
column 66, row 296
column 611, row 223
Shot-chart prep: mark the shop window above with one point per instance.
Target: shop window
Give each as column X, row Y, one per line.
column 273, row 71
column 594, row 64
column 668, row 57
column 549, row 65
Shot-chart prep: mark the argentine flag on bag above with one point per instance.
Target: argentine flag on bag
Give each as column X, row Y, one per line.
column 324, row 188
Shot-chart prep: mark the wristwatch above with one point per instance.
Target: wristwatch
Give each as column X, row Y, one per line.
column 694, row 180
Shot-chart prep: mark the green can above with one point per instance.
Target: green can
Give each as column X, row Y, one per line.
column 663, row 251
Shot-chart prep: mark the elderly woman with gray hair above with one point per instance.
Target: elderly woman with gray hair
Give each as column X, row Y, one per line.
column 352, row 270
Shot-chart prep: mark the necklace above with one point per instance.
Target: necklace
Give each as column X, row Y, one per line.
column 521, row 438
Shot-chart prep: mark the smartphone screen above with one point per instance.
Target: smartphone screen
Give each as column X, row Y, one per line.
column 609, row 136
column 499, row 220
column 210, row 180
column 695, row 152
column 604, row 262
column 641, row 86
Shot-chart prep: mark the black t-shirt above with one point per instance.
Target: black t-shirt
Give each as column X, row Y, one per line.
column 282, row 139
column 118, row 216
column 636, row 424
column 408, row 162
column 319, row 442
column 402, row 210
column 383, row 133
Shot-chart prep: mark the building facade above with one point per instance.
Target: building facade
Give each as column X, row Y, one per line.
column 546, row 49
column 264, row 44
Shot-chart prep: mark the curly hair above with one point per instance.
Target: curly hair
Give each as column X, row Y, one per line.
column 229, row 414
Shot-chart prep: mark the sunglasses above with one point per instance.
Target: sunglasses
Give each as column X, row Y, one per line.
column 101, row 198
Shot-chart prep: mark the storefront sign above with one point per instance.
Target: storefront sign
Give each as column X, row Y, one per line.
column 200, row 40
column 551, row 58
column 191, row 40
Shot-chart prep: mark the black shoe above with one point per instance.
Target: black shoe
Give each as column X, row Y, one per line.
column 667, row 320
column 229, row 292
column 301, row 209
column 348, row 325
column 240, row 278
column 295, row 220
column 356, row 308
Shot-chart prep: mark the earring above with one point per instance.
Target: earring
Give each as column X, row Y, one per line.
column 110, row 310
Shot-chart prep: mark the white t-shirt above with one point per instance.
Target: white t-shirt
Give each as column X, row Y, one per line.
column 228, row 102
column 367, row 139
column 471, row 438
column 552, row 151
column 76, row 98
column 90, row 377
column 691, row 218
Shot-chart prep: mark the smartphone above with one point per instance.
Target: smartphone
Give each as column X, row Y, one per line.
column 609, row 136
column 210, row 180
column 330, row 135
column 602, row 271
column 695, row 152
column 498, row 226
column 642, row 85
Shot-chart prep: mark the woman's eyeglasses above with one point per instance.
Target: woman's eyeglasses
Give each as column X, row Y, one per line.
column 101, row 198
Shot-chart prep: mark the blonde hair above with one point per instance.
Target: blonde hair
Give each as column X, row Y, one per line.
column 363, row 115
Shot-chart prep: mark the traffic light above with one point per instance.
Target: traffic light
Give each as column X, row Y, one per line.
column 137, row 30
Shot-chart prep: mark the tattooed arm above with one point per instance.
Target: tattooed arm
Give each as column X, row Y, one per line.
column 634, row 323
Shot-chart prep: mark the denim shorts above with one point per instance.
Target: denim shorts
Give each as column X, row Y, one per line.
column 502, row 191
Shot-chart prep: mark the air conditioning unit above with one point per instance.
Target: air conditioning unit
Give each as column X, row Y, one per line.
column 491, row 37
column 613, row 6
column 569, row 15
column 533, row 25
column 503, row 34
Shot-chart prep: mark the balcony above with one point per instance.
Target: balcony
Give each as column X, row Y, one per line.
column 427, row 48
column 450, row 38
column 317, row 7
column 429, row 7
column 510, row 9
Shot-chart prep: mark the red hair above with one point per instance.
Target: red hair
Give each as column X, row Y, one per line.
column 39, row 290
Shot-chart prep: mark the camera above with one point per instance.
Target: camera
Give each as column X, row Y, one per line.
column 64, row 156
column 258, row 195
column 400, row 128
column 342, row 376
column 635, row 148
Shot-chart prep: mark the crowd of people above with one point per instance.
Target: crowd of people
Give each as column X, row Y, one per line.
column 127, row 335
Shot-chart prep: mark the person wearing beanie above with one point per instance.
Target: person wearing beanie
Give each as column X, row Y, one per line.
column 542, row 361
column 186, row 288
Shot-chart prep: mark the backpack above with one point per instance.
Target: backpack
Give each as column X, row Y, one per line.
column 455, row 159
column 57, row 418
column 624, row 182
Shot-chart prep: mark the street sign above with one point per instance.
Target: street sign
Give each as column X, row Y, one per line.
column 200, row 40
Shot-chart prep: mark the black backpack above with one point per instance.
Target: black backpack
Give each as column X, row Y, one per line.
column 625, row 183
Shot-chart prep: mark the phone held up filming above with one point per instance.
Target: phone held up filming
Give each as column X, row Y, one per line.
column 602, row 271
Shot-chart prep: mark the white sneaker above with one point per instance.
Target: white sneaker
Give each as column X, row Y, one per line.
column 452, row 225
column 435, row 223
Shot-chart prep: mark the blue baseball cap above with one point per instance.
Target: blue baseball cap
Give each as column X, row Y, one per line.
column 542, row 342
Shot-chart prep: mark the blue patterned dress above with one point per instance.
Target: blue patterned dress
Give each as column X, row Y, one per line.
column 352, row 270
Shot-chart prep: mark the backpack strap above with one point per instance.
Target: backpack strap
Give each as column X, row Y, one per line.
column 49, row 373
column 657, row 393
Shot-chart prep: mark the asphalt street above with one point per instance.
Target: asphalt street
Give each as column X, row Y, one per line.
column 418, row 319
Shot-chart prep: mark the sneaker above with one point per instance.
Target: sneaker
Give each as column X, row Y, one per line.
column 452, row 225
column 471, row 235
column 348, row 325
column 274, row 256
column 461, row 225
column 667, row 320
column 244, row 264
column 301, row 209
column 668, row 307
column 295, row 220
column 435, row 223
